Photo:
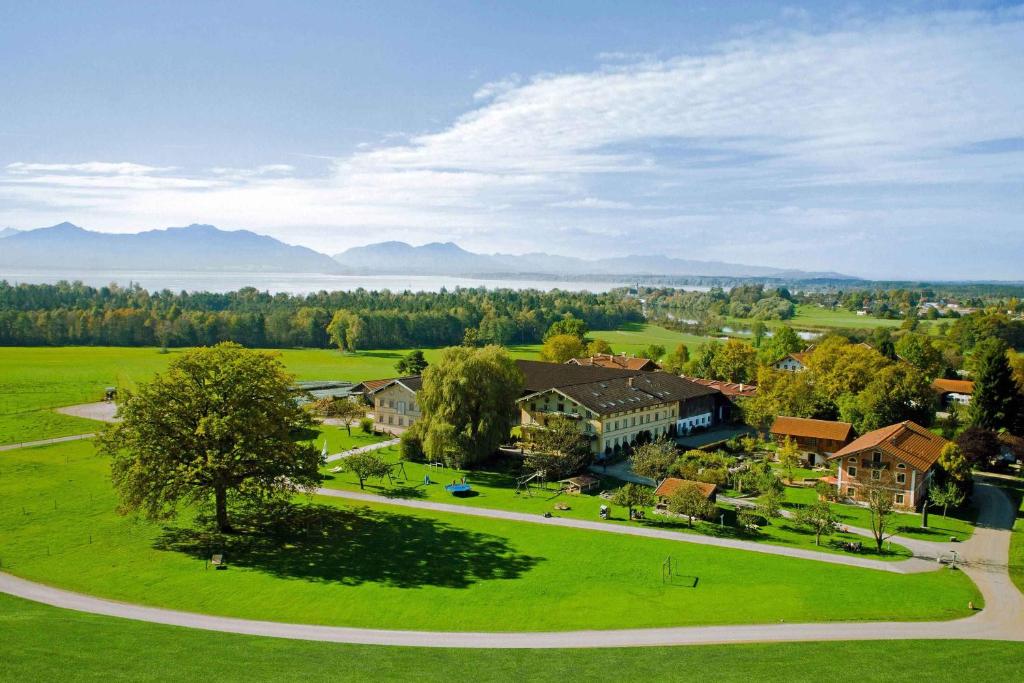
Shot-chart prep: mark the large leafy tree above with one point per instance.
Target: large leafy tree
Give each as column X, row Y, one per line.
column 412, row 363
column 567, row 325
column 653, row 460
column 561, row 347
column 468, row 403
column 897, row 392
column 221, row 421
column 819, row 518
column 631, row 496
column 345, row 329
column 558, row 447
column 997, row 401
column 735, row 361
column 689, row 501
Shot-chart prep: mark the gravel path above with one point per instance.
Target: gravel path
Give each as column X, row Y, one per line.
column 362, row 449
column 44, row 442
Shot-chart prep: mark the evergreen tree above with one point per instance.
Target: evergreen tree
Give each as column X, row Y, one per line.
column 996, row 402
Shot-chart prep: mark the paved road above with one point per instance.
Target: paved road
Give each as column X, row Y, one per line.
column 985, row 556
column 362, row 449
column 44, row 442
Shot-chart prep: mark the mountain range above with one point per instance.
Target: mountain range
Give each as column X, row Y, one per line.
column 196, row 247
column 447, row 258
column 206, row 248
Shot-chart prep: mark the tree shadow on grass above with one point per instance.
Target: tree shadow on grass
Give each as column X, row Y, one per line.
column 352, row 546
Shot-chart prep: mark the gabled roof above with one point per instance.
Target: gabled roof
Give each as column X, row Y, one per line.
column 953, row 386
column 799, row 357
column 731, row 389
column 621, row 361
column 540, row 376
column 808, row 428
column 412, row 383
column 671, row 485
column 632, row 391
column 371, row 385
column 906, row 441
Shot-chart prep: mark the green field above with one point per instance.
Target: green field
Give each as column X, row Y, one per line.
column 495, row 487
column 378, row 566
column 809, row 316
column 34, row 380
column 44, row 643
column 958, row 524
column 1016, row 561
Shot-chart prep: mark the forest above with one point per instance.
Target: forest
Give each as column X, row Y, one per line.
column 75, row 314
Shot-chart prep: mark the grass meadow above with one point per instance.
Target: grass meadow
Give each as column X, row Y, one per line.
column 38, row 642
column 327, row 562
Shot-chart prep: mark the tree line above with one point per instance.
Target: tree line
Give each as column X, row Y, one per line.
column 75, row 314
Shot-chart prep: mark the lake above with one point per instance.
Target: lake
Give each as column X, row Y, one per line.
column 297, row 283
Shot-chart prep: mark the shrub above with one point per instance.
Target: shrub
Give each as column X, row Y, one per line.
column 366, row 424
column 410, row 446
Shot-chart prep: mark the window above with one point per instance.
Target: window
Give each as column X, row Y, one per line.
column 657, row 416
column 852, row 471
column 391, row 419
column 876, row 474
column 561, row 407
column 533, row 407
column 400, row 423
column 851, row 492
column 391, row 403
column 901, row 478
column 876, row 456
column 851, row 459
column 634, row 420
column 899, row 499
column 901, row 466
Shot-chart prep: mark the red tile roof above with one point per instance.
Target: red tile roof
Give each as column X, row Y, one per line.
column 730, row 389
column 621, row 361
column 671, row 485
column 812, row 429
column 953, row 386
column 906, row 441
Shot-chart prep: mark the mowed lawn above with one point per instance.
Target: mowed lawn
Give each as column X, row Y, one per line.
column 494, row 486
column 38, row 642
column 384, row 567
column 34, row 380
column 957, row 524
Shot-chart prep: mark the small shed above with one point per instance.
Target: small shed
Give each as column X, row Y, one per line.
column 670, row 485
column 581, row 484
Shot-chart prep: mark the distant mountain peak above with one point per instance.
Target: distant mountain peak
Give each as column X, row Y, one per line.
column 448, row 258
column 197, row 247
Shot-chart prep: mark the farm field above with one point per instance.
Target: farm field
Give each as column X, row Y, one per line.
column 818, row 317
column 378, row 566
column 38, row 642
column 495, row 488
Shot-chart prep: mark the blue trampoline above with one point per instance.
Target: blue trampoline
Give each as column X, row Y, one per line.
column 456, row 489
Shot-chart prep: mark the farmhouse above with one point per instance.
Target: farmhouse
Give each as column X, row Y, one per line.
column 732, row 396
column 792, row 362
column 615, row 408
column 817, row 438
column 619, row 362
column 394, row 402
column 901, row 456
column 670, row 485
column 953, row 391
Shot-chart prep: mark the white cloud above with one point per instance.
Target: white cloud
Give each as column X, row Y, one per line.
column 89, row 168
column 776, row 146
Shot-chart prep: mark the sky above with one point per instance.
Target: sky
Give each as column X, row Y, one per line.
column 884, row 140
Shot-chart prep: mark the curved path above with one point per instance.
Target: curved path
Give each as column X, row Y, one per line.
column 922, row 561
column 985, row 556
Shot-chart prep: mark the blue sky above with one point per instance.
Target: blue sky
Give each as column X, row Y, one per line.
column 880, row 140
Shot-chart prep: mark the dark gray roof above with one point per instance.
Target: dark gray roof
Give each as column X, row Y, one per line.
column 539, row 376
column 607, row 390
